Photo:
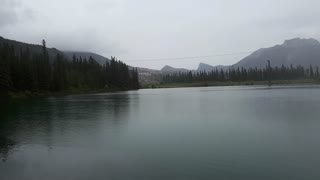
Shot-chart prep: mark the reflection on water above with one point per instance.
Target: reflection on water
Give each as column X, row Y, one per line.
column 46, row 121
column 6, row 145
column 186, row 133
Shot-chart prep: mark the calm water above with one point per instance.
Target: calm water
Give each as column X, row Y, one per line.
column 209, row 133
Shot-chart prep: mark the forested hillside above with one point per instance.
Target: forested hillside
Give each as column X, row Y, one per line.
column 24, row 70
column 100, row 59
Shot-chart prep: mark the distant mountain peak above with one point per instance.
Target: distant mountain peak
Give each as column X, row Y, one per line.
column 297, row 51
column 204, row 67
column 207, row 67
column 298, row 42
column 203, row 64
column 166, row 67
column 170, row 69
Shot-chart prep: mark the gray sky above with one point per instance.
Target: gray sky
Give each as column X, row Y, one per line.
column 148, row 29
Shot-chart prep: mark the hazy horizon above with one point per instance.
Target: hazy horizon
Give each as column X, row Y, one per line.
column 145, row 30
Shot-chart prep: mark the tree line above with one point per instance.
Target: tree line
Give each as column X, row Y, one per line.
column 22, row 70
column 243, row 74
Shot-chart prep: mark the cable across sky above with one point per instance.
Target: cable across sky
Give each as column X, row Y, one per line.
column 190, row 57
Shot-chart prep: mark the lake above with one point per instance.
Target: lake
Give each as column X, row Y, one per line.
column 257, row 132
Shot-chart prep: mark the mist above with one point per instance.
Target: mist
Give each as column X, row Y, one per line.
column 147, row 30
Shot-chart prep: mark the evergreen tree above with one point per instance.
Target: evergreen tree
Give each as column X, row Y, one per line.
column 242, row 74
column 21, row 70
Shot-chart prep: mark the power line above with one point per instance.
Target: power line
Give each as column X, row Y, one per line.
column 190, row 57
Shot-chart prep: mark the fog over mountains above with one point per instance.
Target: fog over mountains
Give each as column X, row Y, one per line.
column 100, row 59
column 145, row 75
column 32, row 47
column 170, row 69
column 294, row 52
column 207, row 67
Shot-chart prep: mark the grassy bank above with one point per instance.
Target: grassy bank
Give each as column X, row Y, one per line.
column 231, row 83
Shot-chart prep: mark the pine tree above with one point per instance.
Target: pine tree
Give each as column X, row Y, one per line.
column 5, row 81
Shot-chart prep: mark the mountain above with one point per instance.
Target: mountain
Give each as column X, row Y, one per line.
column 207, row 67
column 33, row 48
column 169, row 69
column 201, row 67
column 296, row 51
column 53, row 51
column 100, row 59
column 146, row 76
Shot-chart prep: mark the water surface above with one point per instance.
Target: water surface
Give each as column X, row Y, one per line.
column 185, row 133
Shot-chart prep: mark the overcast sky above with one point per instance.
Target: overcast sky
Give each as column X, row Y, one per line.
column 134, row 30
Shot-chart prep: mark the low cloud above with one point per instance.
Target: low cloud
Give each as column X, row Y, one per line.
column 145, row 29
column 85, row 40
column 8, row 14
column 11, row 13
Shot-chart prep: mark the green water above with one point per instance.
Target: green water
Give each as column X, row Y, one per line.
column 209, row 133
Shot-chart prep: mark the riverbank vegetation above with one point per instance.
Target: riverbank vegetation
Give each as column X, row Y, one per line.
column 231, row 83
column 241, row 76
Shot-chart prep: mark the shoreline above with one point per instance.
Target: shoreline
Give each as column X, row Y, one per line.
column 30, row 95
column 231, row 83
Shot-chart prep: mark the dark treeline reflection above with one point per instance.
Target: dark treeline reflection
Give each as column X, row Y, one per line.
column 6, row 127
column 52, row 120
column 6, row 145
